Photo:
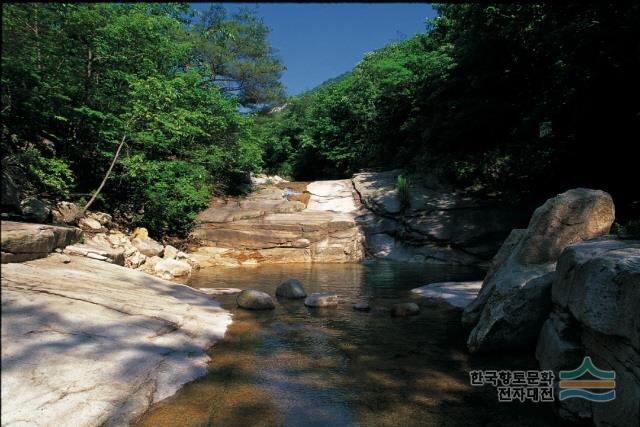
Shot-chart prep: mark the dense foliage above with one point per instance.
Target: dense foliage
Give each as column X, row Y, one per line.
column 517, row 98
column 77, row 79
column 513, row 99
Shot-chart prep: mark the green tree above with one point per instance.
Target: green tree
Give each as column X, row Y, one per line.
column 237, row 55
column 82, row 83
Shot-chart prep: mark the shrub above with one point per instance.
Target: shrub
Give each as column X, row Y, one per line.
column 403, row 193
column 51, row 176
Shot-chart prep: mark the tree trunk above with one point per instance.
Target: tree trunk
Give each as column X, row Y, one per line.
column 106, row 176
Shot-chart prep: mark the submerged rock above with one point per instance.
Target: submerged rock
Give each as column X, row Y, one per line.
column 322, row 299
column 292, row 289
column 456, row 294
column 255, row 300
column 405, row 309
column 362, row 306
column 220, row 291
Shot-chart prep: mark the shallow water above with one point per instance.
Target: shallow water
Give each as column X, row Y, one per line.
column 297, row 366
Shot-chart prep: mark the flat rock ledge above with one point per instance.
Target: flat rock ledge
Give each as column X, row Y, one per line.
column 456, row 294
column 88, row 343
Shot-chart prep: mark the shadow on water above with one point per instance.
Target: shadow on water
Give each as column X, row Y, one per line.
column 297, row 366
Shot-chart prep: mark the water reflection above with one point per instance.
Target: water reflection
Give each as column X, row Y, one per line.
column 298, row 366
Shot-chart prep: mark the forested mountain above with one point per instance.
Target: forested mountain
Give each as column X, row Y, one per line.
column 523, row 99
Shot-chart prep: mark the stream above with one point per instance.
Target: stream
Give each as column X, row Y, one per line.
column 297, row 366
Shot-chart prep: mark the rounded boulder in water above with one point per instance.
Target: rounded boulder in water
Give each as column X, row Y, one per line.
column 362, row 306
column 322, row 299
column 405, row 309
column 255, row 300
column 291, row 289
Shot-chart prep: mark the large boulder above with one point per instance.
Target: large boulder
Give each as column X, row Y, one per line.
column 512, row 319
column 596, row 295
column 23, row 241
column 170, row 252
column 145, row 244
column 90, row 224
column 103, row 218
column 35, row 209
column 255, row 300
column 291, row 289
column 170, row 269
column 65, row 213
column 570, row 217
column 515, row 297
column 599, row 283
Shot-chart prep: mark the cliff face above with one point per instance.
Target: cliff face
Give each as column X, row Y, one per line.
column 308, row 223
column 596, row 295
column 346, row 220
column 440, row 225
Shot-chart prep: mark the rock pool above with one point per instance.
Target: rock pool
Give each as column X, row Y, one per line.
column 300, row 366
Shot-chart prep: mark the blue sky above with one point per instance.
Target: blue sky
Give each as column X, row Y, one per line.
column 319, row 41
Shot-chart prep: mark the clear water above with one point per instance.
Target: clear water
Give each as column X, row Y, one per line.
column 297, row 366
